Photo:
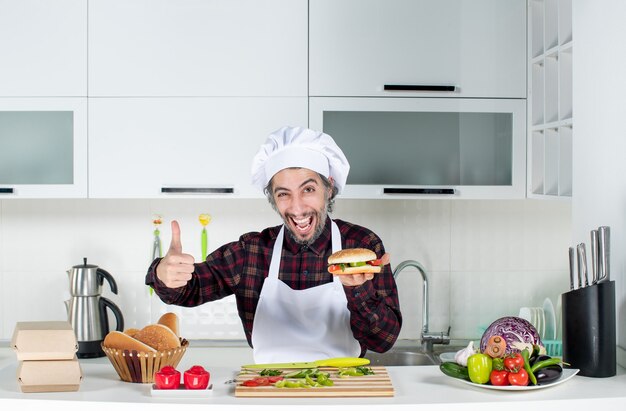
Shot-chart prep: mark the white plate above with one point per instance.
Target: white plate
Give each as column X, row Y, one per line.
column 548, row 310
column 181, row 392
column 447, row 356
column 567, row 374
column 558, row 318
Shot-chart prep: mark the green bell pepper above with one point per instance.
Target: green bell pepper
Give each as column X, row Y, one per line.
column 479, row 368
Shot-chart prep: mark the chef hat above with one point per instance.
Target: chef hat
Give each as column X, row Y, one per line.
column 299, row 147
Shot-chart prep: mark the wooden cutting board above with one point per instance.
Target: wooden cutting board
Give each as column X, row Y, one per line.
column 377, row 385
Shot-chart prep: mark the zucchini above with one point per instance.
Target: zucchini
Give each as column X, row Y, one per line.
column 452, row 369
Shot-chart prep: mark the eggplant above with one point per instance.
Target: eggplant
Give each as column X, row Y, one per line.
column 537, row 358
column 548, row 374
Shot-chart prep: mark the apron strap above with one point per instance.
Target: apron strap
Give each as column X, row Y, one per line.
column 276, row 254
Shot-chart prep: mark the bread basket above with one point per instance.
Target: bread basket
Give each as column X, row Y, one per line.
column 140, row 366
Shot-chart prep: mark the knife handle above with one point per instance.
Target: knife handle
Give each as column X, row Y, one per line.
column 572, row 265
column 594, row 256
column 580, row 250
column 582, row 264
column 604, row 253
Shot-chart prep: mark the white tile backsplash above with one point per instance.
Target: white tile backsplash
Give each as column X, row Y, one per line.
column 484, row 259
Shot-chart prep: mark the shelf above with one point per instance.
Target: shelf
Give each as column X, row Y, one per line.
column 565, row 84
column 566, row 160
column 550, row 99
column 536, row 15
column 567, row 122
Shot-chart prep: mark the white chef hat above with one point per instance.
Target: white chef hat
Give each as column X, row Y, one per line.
column 299, row 147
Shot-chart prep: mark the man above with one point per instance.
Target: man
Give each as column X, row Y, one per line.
column 291, row 308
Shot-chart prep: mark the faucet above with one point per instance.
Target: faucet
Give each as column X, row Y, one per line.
column 427, row 338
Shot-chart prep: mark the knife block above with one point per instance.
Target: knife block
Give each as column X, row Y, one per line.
column 589, row 336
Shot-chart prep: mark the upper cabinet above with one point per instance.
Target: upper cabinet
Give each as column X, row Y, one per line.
column 43, row 48
column 551, row 119
column 43, row 147
column 182, row 147
column 426, row 48
column 198, row 48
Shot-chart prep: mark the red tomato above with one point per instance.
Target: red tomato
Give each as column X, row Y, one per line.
column 499, row 377
column 376, row 262
column 167, row 378
column 334, row 267
column 196, row 378
column 514, row 362
column 518, row 378
column 261, row 381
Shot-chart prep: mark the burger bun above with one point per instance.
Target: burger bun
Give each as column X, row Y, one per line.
column 354, row 255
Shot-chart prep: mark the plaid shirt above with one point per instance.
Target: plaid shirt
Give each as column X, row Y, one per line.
column 240, row 268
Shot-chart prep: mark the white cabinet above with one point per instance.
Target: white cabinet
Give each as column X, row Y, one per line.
column 43, row 145
column 43, row 48
column 448, row 148
column 198, row 48
column 182, row 147
column 550, row 99
column 359, row 46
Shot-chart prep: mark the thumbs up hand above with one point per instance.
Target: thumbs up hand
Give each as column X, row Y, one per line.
column 175, row 268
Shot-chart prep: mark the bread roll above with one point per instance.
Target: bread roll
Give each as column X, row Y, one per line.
column 120, row 341
column 351, row 255
column 158, row 336
column 170, row 320
column 131, row 331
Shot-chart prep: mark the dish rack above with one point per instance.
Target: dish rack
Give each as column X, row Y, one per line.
column 554, row 348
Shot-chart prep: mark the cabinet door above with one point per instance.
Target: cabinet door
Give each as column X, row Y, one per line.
column 43, row 147
column 359, row 46
column 164, row 147
column 198, row 48
column 428, row 147
column 43, row 48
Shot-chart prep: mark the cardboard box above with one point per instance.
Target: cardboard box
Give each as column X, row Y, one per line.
column 49, row 375
column 44, row 340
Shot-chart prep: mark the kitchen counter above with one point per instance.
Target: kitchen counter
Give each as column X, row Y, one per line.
column 424, row 385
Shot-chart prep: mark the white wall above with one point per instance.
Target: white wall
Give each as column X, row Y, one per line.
column 485, row 259
column 599, row 196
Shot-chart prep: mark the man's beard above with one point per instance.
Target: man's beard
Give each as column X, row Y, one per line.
column 322, row 215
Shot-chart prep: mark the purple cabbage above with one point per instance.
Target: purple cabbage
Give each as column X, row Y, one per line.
column 513, row 330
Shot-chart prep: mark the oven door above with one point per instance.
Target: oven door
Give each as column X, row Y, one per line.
column 428, row 147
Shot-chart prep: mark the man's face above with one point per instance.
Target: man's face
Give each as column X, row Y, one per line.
column 301, row 200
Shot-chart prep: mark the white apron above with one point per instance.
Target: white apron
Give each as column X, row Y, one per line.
column 302, row 325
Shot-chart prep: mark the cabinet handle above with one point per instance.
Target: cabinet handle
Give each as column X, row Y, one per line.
column 418, row 87
column 4, row 190
column 198, row 190
column 446, row 191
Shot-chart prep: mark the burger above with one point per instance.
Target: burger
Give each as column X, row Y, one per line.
column 354, row 261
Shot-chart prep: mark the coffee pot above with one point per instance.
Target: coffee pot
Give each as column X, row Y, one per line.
column 87, row 309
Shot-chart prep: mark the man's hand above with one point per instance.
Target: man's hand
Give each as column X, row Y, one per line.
column 358, row 279
column 352, row 280
column 175, row 268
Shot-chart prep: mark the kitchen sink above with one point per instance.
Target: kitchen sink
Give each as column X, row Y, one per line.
column 401, row 358
column 404, row 354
